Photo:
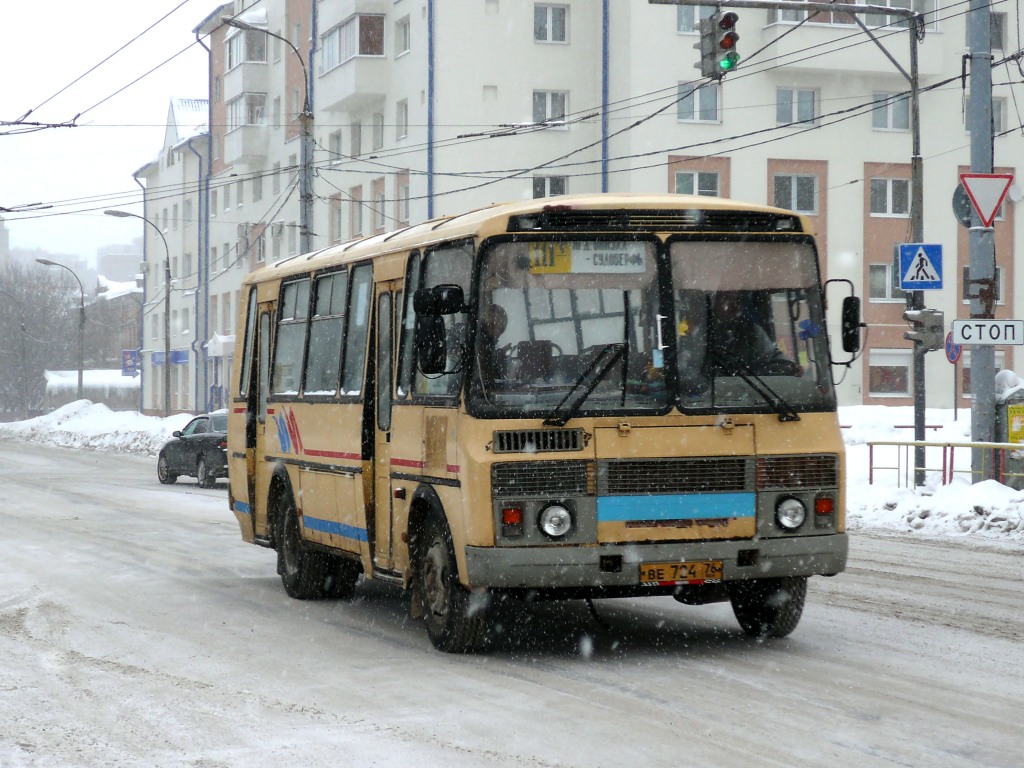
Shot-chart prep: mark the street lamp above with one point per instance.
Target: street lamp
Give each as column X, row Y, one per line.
column 81, row 318
column 167, row 303
column 306, row 144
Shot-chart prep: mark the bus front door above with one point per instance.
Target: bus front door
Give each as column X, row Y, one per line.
column 383, row 556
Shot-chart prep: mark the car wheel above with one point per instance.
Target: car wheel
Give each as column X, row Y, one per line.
column 303, row 572
column 163, row 471
column 206, row 480
column 456, row 619
column 769, row 607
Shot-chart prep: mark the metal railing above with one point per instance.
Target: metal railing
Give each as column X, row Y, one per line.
column 993, row 455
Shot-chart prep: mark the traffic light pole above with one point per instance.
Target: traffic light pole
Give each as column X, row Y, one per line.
column 980, row 240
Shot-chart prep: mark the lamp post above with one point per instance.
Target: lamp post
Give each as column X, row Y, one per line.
column 305, row 145
column 81, row 319
column 167, row 303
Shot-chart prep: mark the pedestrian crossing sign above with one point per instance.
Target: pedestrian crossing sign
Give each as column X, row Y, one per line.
column 920, row 266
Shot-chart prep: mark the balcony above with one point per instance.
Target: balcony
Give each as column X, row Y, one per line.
column 246, row 145
column 334, row 13
column 248, row 77
column 353, row 85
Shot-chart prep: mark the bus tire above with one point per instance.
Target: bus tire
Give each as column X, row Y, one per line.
column 769, row 607
column 342, row 576
column 456, row 620
column 303, row 571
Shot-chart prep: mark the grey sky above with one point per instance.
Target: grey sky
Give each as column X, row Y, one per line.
column 85, row 169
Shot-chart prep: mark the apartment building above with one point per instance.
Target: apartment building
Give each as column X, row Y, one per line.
column 419, row 108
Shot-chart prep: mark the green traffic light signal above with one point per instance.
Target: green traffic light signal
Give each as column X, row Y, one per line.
column 727, row 37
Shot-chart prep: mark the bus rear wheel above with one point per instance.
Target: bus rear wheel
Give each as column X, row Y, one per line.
column 769, row 607
column 303, row 572
column 456, row 619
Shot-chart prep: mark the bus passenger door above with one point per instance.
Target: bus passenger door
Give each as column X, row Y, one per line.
column 256, row 441
column 383, row 395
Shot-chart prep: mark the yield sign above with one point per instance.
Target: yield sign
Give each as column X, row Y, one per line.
column 987, row 191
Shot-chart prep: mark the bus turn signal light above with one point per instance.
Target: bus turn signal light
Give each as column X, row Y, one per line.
column 512, row 521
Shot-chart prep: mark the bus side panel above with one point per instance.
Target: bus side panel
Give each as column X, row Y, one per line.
column 322, row 441
column 406, row 463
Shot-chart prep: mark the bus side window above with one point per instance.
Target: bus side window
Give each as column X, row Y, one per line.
column 290, row 342
column 358, row 323
column 407, row 361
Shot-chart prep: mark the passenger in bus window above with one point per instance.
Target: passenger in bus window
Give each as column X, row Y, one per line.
column 737, row 343
column 492, row 357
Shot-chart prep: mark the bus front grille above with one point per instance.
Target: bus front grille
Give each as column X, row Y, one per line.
column 720, row 474
column 537, row 440
column 542, row 478
column 792, row 472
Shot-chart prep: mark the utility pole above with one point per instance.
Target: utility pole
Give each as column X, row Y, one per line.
column 981, row 238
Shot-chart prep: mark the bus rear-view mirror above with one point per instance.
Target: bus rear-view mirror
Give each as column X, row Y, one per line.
column 431, row 346
column 850, row 324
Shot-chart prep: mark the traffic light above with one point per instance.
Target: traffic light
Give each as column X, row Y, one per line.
column 717, row 46
column 928, row 328
column 727, row 58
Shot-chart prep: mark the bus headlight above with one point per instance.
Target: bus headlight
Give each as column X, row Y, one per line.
column 790, row 514
column 555, row 521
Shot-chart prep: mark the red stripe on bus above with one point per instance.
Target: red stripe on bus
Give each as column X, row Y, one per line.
column 239, row 410
column 407, row 463
column 453, row 468
column 334, row 454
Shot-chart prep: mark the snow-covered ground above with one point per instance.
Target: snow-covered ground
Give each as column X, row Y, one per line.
column 986, row 510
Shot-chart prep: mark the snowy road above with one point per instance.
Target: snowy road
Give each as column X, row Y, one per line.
column 137, row 629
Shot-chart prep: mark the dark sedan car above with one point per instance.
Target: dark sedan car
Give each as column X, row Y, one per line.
column 199, row 450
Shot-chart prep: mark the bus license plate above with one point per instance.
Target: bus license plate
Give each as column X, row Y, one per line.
column 680, row 573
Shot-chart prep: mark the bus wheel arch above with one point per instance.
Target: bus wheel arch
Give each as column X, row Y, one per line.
column 455, row 618
column 303, row 571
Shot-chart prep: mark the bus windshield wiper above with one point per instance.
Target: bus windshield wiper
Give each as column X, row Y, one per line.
column 585, row 384
column 769, row 395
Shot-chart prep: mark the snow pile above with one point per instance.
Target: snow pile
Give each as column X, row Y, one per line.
column 83, row 424
column 988, row 509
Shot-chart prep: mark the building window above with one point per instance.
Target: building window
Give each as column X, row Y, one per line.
column 247, row 109
column 277, row 113
column 257, row 188
column 924, row 7
column 186, row 214
column 890, row 197
column 245, row 46
column 401, row 119
column 356, row 139
column 213, row 258
column 379, row 201
column 360, row 35
column 550, row 106
column 795, row 105
column 355, row 211
column 698, row 104
column 884, row 283
column 549, row 186
column 697, row 183
column 965, row 370
column 188, row 265
column 891, row 112
column 174, row 216
column 998, row 112
column 797, row 193
column 550, row 23
column 402, row 196
column 688, row 16
column 293, row 238
column 275, row 179
column 335, row 223
column 967, row 290
column 403, row 36
column 261, row 247
column 378, row 130
column 335, row 147
column 889, row 372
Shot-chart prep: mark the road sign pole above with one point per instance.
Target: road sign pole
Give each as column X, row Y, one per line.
column 981, row 240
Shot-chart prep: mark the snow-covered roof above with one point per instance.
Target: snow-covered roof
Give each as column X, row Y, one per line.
column 109, row 378
column 189, row 118
column 115, row 290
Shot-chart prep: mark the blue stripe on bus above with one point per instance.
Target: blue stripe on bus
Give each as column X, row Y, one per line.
column 338, row 529
column 688, row 506
column 241, row 506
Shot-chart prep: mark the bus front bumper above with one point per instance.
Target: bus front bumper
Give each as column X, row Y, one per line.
column 610, row 566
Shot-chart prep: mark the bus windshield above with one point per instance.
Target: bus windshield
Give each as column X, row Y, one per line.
column 749, row 326
column 568, row 325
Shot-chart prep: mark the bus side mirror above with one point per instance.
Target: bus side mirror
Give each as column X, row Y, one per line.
column 444, row 299
column 431, row 345
column 850, row 324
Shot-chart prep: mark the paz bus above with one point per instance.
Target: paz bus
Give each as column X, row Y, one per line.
column 568, row 398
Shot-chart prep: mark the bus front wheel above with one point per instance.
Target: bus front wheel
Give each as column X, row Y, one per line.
column 303, row 572
column 456, row 619
column 769, row 607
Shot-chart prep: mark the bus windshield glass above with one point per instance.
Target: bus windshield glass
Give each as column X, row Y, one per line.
column 568, row 326
column 749, row 326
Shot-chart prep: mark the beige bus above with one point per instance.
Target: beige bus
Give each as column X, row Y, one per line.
column 574, row 397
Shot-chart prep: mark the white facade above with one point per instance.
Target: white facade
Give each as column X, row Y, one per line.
column 423, row 108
